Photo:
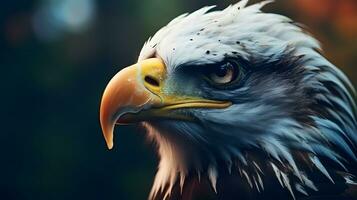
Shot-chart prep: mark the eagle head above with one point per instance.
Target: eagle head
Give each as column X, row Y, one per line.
column 236, row 90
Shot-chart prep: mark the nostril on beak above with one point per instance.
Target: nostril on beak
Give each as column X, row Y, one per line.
column 152, row 81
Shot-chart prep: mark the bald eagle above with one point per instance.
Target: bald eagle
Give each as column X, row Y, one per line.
column 242, row 105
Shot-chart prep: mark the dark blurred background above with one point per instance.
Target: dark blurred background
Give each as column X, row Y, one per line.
column 57, row 57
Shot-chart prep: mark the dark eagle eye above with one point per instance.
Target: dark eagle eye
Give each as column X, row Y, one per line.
column 225, row 73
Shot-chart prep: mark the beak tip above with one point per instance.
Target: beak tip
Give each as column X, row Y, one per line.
column 108, row 136
column 110, row 145
column 108, row 129
column 109, row 140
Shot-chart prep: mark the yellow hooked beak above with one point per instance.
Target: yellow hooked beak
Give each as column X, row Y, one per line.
column 136, row 94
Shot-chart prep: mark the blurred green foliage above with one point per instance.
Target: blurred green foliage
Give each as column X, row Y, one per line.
column 52, row 146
